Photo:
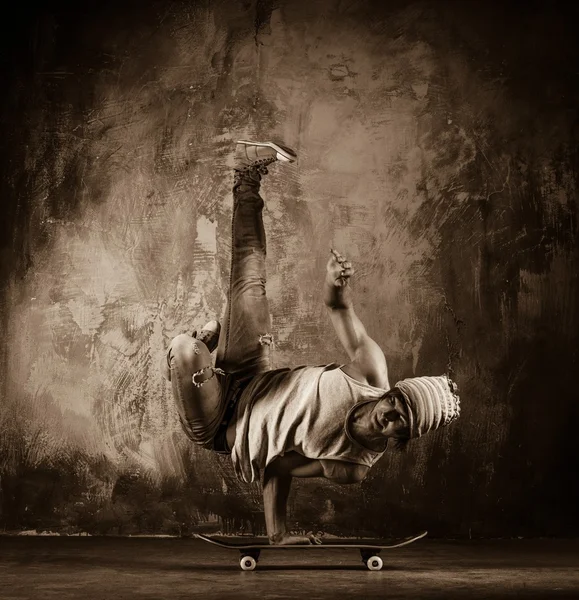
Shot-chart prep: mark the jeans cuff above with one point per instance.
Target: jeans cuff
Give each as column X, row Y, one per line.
column 250, row 178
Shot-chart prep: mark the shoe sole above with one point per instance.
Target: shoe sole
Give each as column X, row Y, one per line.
column 283, row 153
column 211, row 342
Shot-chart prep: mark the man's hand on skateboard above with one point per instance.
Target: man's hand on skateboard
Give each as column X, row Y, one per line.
column 339, row 269
column 287, row 539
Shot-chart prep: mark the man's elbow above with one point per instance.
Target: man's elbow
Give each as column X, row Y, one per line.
column 357, row 475
column 344, row 473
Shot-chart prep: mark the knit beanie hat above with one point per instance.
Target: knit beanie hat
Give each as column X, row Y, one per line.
column 432, row 402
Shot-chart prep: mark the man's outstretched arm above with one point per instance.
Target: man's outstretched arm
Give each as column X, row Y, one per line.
column 368, row 361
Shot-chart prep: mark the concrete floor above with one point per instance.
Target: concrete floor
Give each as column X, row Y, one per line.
column 115, row 568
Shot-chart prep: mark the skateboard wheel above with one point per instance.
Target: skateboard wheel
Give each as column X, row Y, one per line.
column 374, row 563
column 247, row 563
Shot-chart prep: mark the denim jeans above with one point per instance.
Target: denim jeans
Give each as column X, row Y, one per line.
column 201, row 392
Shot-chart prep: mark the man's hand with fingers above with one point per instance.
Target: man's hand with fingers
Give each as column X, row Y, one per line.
column 339, row 269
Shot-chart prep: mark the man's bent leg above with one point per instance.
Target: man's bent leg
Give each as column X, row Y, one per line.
column 197, row 389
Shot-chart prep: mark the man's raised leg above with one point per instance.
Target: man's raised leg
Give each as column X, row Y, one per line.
column 246, row 340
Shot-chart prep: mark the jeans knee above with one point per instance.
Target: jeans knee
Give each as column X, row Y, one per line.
column 184, row 351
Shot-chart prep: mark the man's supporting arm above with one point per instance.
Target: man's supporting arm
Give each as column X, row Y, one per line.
column 277, row 479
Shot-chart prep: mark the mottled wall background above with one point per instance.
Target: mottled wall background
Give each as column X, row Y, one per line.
column 438, row 149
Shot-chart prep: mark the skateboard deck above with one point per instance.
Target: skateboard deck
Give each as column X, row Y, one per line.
column 369, row 549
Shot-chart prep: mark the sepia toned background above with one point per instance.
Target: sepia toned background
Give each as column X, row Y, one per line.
column 437, row 147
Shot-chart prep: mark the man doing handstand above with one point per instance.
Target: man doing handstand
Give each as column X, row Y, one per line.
column 331, row 421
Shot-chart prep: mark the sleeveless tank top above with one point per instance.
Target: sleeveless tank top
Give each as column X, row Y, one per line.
column 305, row 410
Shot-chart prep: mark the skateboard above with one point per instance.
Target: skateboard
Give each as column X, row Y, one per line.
column 369, row 549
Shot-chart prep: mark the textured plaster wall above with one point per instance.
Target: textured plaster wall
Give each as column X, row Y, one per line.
column 437, row 148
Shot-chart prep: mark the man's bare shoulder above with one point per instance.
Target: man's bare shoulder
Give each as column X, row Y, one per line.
column 375, row 378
